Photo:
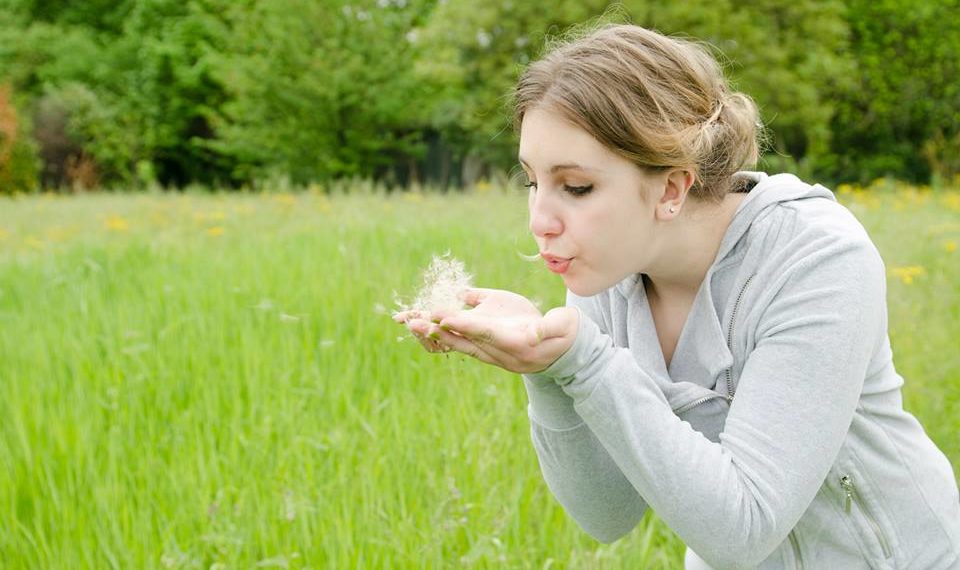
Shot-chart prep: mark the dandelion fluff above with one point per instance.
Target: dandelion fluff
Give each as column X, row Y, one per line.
column 445, row 283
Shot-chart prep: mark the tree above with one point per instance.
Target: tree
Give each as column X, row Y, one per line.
column 319, row 90
column 904, row 95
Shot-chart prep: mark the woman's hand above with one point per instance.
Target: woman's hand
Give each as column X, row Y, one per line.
column 503, row 328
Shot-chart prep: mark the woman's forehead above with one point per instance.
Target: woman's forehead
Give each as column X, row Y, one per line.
column 549, row 141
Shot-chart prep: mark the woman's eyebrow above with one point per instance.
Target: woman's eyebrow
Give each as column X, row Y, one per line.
column 566, row 166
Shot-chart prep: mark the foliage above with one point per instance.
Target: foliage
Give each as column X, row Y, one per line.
column 18, row 161
column 228, row 93
column 319, row 89
column 905, row 94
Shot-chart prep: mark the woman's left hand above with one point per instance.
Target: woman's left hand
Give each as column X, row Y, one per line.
column 503, row 328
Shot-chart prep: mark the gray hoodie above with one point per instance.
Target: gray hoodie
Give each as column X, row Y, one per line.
column 777, row 437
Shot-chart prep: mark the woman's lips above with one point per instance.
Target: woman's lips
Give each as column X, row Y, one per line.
column 556, row 264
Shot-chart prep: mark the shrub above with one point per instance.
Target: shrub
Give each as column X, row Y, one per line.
column 18, row 159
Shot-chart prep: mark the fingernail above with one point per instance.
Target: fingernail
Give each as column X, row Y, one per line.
column 435, row 335
column 445, row 327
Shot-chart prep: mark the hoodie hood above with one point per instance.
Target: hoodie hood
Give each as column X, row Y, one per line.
column 767, row 192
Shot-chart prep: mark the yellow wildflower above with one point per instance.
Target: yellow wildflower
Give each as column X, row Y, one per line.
column 3, row 234
column 908, row 273
column 116, row 224
column 215, row 231
column 950, row 246
column 285, row 199
column 324, row 204
column 952, row 201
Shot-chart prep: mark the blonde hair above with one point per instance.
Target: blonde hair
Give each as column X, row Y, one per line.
column 659, row 102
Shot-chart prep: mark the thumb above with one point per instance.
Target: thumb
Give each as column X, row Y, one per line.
column 558, row 322
column 473, row 296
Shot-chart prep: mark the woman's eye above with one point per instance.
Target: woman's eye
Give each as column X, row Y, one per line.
column 578, row 190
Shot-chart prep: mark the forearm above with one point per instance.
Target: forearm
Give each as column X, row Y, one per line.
column 578, row 470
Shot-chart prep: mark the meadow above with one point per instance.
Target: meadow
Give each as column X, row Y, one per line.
column 194, row 380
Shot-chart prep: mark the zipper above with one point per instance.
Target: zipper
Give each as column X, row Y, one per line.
column 851, row 497
column 690, row 405
column 796, row 550
column 733, row 319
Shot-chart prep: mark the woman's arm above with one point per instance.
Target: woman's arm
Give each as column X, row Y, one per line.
column 735, row 501
column 579, row 471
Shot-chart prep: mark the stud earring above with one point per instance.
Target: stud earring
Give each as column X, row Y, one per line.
column 672, row 210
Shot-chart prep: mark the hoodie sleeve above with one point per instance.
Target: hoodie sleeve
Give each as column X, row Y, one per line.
column 577, row 468
column 734, row 501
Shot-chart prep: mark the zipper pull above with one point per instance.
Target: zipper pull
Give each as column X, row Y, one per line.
column 847, row 483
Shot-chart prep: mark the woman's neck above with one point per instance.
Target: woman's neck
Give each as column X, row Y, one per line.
column 690, row 245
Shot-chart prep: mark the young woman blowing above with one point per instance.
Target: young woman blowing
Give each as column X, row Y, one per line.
column 723, row 357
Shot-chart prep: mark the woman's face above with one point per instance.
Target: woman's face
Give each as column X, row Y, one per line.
column 592, row 212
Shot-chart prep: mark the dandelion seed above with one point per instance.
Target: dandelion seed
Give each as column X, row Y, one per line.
column 289, row 506
column 379, row 309
column 325, row 343
column 265, row 304
column 275, row 562
column 445, row 283
column 285, row 318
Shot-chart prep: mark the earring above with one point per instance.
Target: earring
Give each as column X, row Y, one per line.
column 672, row 210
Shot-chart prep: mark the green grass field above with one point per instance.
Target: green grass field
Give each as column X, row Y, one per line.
column 213, row 381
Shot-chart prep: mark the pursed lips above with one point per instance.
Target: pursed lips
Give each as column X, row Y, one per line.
column 555, row 263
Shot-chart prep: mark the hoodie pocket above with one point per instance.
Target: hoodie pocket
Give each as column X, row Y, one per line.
column 862, row 509
column 794, row 550
column 855, row 505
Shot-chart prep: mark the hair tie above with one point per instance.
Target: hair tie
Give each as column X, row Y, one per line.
column 716, row 114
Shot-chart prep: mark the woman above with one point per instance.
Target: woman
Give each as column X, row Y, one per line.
column 723, row 355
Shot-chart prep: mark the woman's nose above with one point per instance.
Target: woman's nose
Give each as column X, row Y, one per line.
column 544, row 221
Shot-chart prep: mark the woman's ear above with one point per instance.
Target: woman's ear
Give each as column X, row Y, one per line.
column 676, row 186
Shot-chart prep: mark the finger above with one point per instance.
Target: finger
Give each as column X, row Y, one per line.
column 462, row 345
column 558, row 322
column 419, row 326
column 430, row 344
column 477, row 329
column 475, row 295
column 404, row 316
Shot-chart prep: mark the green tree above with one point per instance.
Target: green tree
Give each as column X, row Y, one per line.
column 904, row 96
column 783, row 53
column 319, row 90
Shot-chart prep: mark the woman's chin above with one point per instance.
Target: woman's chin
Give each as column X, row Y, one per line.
column 582, row 288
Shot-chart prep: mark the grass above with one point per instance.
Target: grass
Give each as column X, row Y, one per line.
column 213, row 381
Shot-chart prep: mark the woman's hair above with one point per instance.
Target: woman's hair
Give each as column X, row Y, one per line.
column 659, row 102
